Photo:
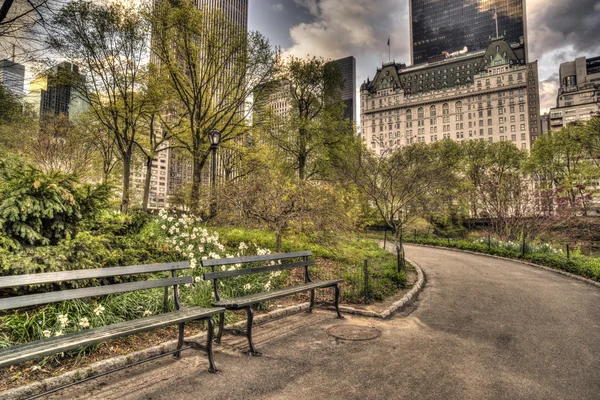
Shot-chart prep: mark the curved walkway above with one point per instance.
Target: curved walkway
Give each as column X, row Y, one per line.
column 482, row 328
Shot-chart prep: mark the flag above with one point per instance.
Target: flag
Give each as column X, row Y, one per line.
column 388, row 40
column 495, row 16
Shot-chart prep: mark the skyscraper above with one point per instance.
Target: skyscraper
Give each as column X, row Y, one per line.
column 348, row 68
column 441, row 27
column 12, row 76
column 52, row 93
column 234, row 11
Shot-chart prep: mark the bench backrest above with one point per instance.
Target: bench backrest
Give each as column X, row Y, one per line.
column 63, row 295
column 216, row 275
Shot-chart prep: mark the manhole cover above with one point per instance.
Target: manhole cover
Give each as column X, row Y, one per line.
column 353, row 332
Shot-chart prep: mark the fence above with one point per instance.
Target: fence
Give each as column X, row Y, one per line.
column 372, row 280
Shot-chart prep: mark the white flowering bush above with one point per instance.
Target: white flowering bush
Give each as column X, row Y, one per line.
column 186, row 236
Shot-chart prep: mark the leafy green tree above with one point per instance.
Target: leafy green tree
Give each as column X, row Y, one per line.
column 314, row 127
column 565, row 162
column 403, row 185
column 213, row 72
column 110, row 44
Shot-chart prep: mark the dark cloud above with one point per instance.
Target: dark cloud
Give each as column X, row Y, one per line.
column 570, row 25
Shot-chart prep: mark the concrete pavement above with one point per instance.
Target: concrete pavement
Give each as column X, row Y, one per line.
column 482, row 328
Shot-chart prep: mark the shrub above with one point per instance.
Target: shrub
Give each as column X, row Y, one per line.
column 41, row 209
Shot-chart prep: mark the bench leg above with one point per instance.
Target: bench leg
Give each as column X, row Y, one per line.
column 177, row 355
column 337, row 301
column 250, row 319
column 221, row 327
column 312, row 301
column 209, row 346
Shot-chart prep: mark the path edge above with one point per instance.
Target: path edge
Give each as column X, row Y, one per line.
column 557, row 271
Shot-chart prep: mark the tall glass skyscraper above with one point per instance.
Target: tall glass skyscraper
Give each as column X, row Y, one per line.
column 452, row 26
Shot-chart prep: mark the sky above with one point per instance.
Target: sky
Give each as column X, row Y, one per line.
column 558, row 31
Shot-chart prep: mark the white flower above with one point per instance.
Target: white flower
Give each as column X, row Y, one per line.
column 59, row 333
column 197, row 279
column 243, row 246
column 84, row 322
column 247, row 286
column 204, row 258
column 202, row 240
column 188, row 285
column 147, row 313
column 275, row 274
column 98, row 310
column 163, row 227
column 36, row 367
column 47, row 333
column 201, row 249
column 170, row 219
column 63, row 319
column 268, row 285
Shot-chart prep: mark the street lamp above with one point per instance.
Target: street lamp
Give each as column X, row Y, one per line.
column 215, row 138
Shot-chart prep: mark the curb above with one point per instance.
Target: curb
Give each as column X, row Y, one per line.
column 556, row 271
column 408, row 297
column 33, row 389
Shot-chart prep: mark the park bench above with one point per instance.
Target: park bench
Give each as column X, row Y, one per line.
column 246, row 302
column 58, row 344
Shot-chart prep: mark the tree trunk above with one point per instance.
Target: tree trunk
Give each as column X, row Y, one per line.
column 126, row 178
column 278, row 237
column 147, row 182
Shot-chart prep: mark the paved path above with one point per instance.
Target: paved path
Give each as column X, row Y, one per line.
column 482, row 329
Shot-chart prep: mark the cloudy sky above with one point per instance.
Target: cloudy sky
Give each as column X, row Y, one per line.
column 559, row 31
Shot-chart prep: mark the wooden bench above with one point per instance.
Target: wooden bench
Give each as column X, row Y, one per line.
column 58, row 344
column 246, row 302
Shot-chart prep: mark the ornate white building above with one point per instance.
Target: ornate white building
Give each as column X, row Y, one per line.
column 490, row 95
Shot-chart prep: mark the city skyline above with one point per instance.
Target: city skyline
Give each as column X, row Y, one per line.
column 557, row 32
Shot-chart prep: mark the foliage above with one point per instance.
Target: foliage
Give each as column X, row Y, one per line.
column 400, row 185
column 537, row 253
column 109, row 42
column 38, row 208
column 566, row 163
column 213, row 86
column 281, row 204
column 313, row 126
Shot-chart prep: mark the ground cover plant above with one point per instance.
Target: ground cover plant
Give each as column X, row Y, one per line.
column 538, row 253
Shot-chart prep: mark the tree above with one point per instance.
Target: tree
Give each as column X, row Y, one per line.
column 110, row 44
column 17, row 123
column 282, row 204
column 565, row 162
column 402, row 185
column 314, row 126
column 19, row 20
column 61, row 147
column 213, row 67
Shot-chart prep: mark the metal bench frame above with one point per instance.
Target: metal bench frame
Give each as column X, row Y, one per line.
column 246, row 302
column 44, row 347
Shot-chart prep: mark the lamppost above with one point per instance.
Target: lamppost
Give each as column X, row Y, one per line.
column 215, row 138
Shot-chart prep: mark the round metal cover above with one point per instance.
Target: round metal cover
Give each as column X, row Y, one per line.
column 353, row 332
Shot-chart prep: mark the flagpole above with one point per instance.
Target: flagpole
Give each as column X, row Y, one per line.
column 496, row 14
column 389, row 49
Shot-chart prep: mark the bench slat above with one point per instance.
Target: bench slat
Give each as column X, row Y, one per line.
column 256, row 270
column 55, row 277
column 245, row 301
column 53, row 297
column 45, row 347
column 247, row 259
